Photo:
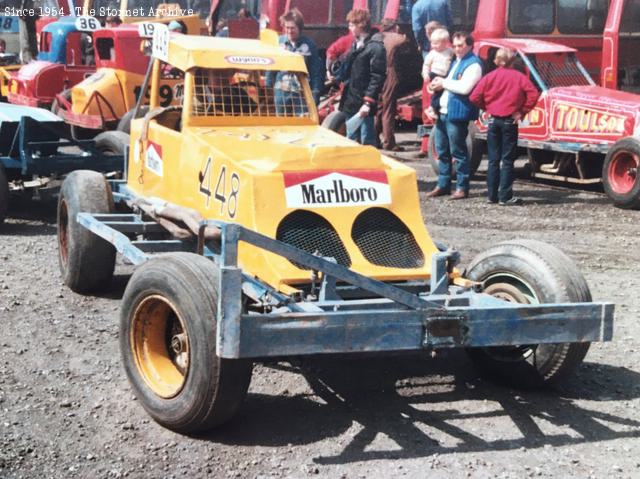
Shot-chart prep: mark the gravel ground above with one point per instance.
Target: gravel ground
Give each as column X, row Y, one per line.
column 67, row 409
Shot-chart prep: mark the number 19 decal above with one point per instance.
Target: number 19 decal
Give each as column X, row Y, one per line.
column 228, row 199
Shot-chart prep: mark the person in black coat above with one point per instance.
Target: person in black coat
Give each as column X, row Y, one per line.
column 364, row 76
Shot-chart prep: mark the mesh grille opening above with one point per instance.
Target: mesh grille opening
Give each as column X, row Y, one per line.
column 249, row 93
column 385, row 240
column 314, row 234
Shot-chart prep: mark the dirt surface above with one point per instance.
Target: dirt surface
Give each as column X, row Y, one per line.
column 67, row 409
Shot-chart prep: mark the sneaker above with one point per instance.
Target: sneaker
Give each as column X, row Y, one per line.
column 491, row 202
column 514, row 200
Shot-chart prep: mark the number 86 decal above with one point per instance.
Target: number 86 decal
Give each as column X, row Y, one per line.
column 226, row 199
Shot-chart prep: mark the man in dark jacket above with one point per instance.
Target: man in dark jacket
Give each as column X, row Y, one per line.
column 393, row 42
column 365, row 75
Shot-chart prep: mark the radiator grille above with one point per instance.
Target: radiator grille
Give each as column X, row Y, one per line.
column 385, row 240
column 314, row 234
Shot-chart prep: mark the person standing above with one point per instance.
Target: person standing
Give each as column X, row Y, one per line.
column 456, row 111
column 425, row 11
column 437, row 64
column 507, row 95
column 336, row 55
column 365, row 73
column 287, row 84
column 393, row 41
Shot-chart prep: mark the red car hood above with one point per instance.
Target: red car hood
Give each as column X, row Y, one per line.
column 33, row 69
column 614, row 101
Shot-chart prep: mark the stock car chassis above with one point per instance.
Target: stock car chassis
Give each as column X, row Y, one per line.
column 343, row 311
column 351, row 312
column 192, row 320
column 36, row 147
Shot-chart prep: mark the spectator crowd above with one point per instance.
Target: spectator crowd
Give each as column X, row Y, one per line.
column 367, row 65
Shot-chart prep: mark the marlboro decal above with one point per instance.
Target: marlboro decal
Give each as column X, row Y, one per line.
column 330, row 189
column 153, row 158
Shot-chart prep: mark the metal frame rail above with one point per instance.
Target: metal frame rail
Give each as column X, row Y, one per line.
column 28, row 152
column 389, row 319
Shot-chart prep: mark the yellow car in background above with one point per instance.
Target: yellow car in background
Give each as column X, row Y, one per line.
column 101, row 101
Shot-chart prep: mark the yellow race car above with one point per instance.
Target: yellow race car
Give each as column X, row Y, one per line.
column 259, row 233
column 105, row 99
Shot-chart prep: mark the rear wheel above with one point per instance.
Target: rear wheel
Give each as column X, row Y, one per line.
column 124, row 125
column 475, row 148
column 529, row 272
column 168, row 345
column 4, row 194
column 336, row 121
column 620, row 173
column 112, row 142
column 86, row 260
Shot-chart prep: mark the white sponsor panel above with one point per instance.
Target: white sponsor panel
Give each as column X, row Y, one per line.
column 146, row 29
column 248, row 60
column 153, row 159
column 87, row 24
column 337, row 190
column 160, row 48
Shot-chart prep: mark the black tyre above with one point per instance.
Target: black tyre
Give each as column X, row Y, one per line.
column 620, row 173
column 86, row 260
column 336, row 121
column 476, row 150
column 532, row 272
column 4, row 194
column 124, row 124
column 168, row 345
column 112, row 142
column 55, row 106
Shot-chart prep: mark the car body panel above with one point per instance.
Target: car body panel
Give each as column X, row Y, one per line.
column 256, row 170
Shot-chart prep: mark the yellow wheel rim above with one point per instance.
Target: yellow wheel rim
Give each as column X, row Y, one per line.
column 160, row 346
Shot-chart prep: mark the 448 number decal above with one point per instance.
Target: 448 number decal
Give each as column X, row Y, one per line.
column 225, row 191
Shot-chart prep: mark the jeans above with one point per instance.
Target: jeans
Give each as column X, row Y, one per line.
column 290, row 103
column 366, row 134
column 451, row 142
column 502, row 141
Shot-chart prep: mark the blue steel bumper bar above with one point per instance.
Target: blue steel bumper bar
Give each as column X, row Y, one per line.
column 395, row 320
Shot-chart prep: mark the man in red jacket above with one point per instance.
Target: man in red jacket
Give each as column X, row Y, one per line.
column 507, row 95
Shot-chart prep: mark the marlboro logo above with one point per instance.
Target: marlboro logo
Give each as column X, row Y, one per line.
column 153, row 158
column 327, row 189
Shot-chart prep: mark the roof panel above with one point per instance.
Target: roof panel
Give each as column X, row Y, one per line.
column 188, row 51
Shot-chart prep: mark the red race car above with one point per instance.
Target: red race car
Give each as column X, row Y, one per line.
column 578, row 132
column 66, row 57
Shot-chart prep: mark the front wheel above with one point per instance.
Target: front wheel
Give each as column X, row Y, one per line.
column 168, row 345
column 620, row 173
column 529, row 272
column 86, row 260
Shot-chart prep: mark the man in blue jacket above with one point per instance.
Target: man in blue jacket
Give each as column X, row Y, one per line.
column 288, row 90
column 456, row 111
column 425, row 11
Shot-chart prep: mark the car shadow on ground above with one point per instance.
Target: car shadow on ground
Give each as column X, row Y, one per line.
column 117, row 286
column 26, row 229
column 426, row 407
column 34, row 218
